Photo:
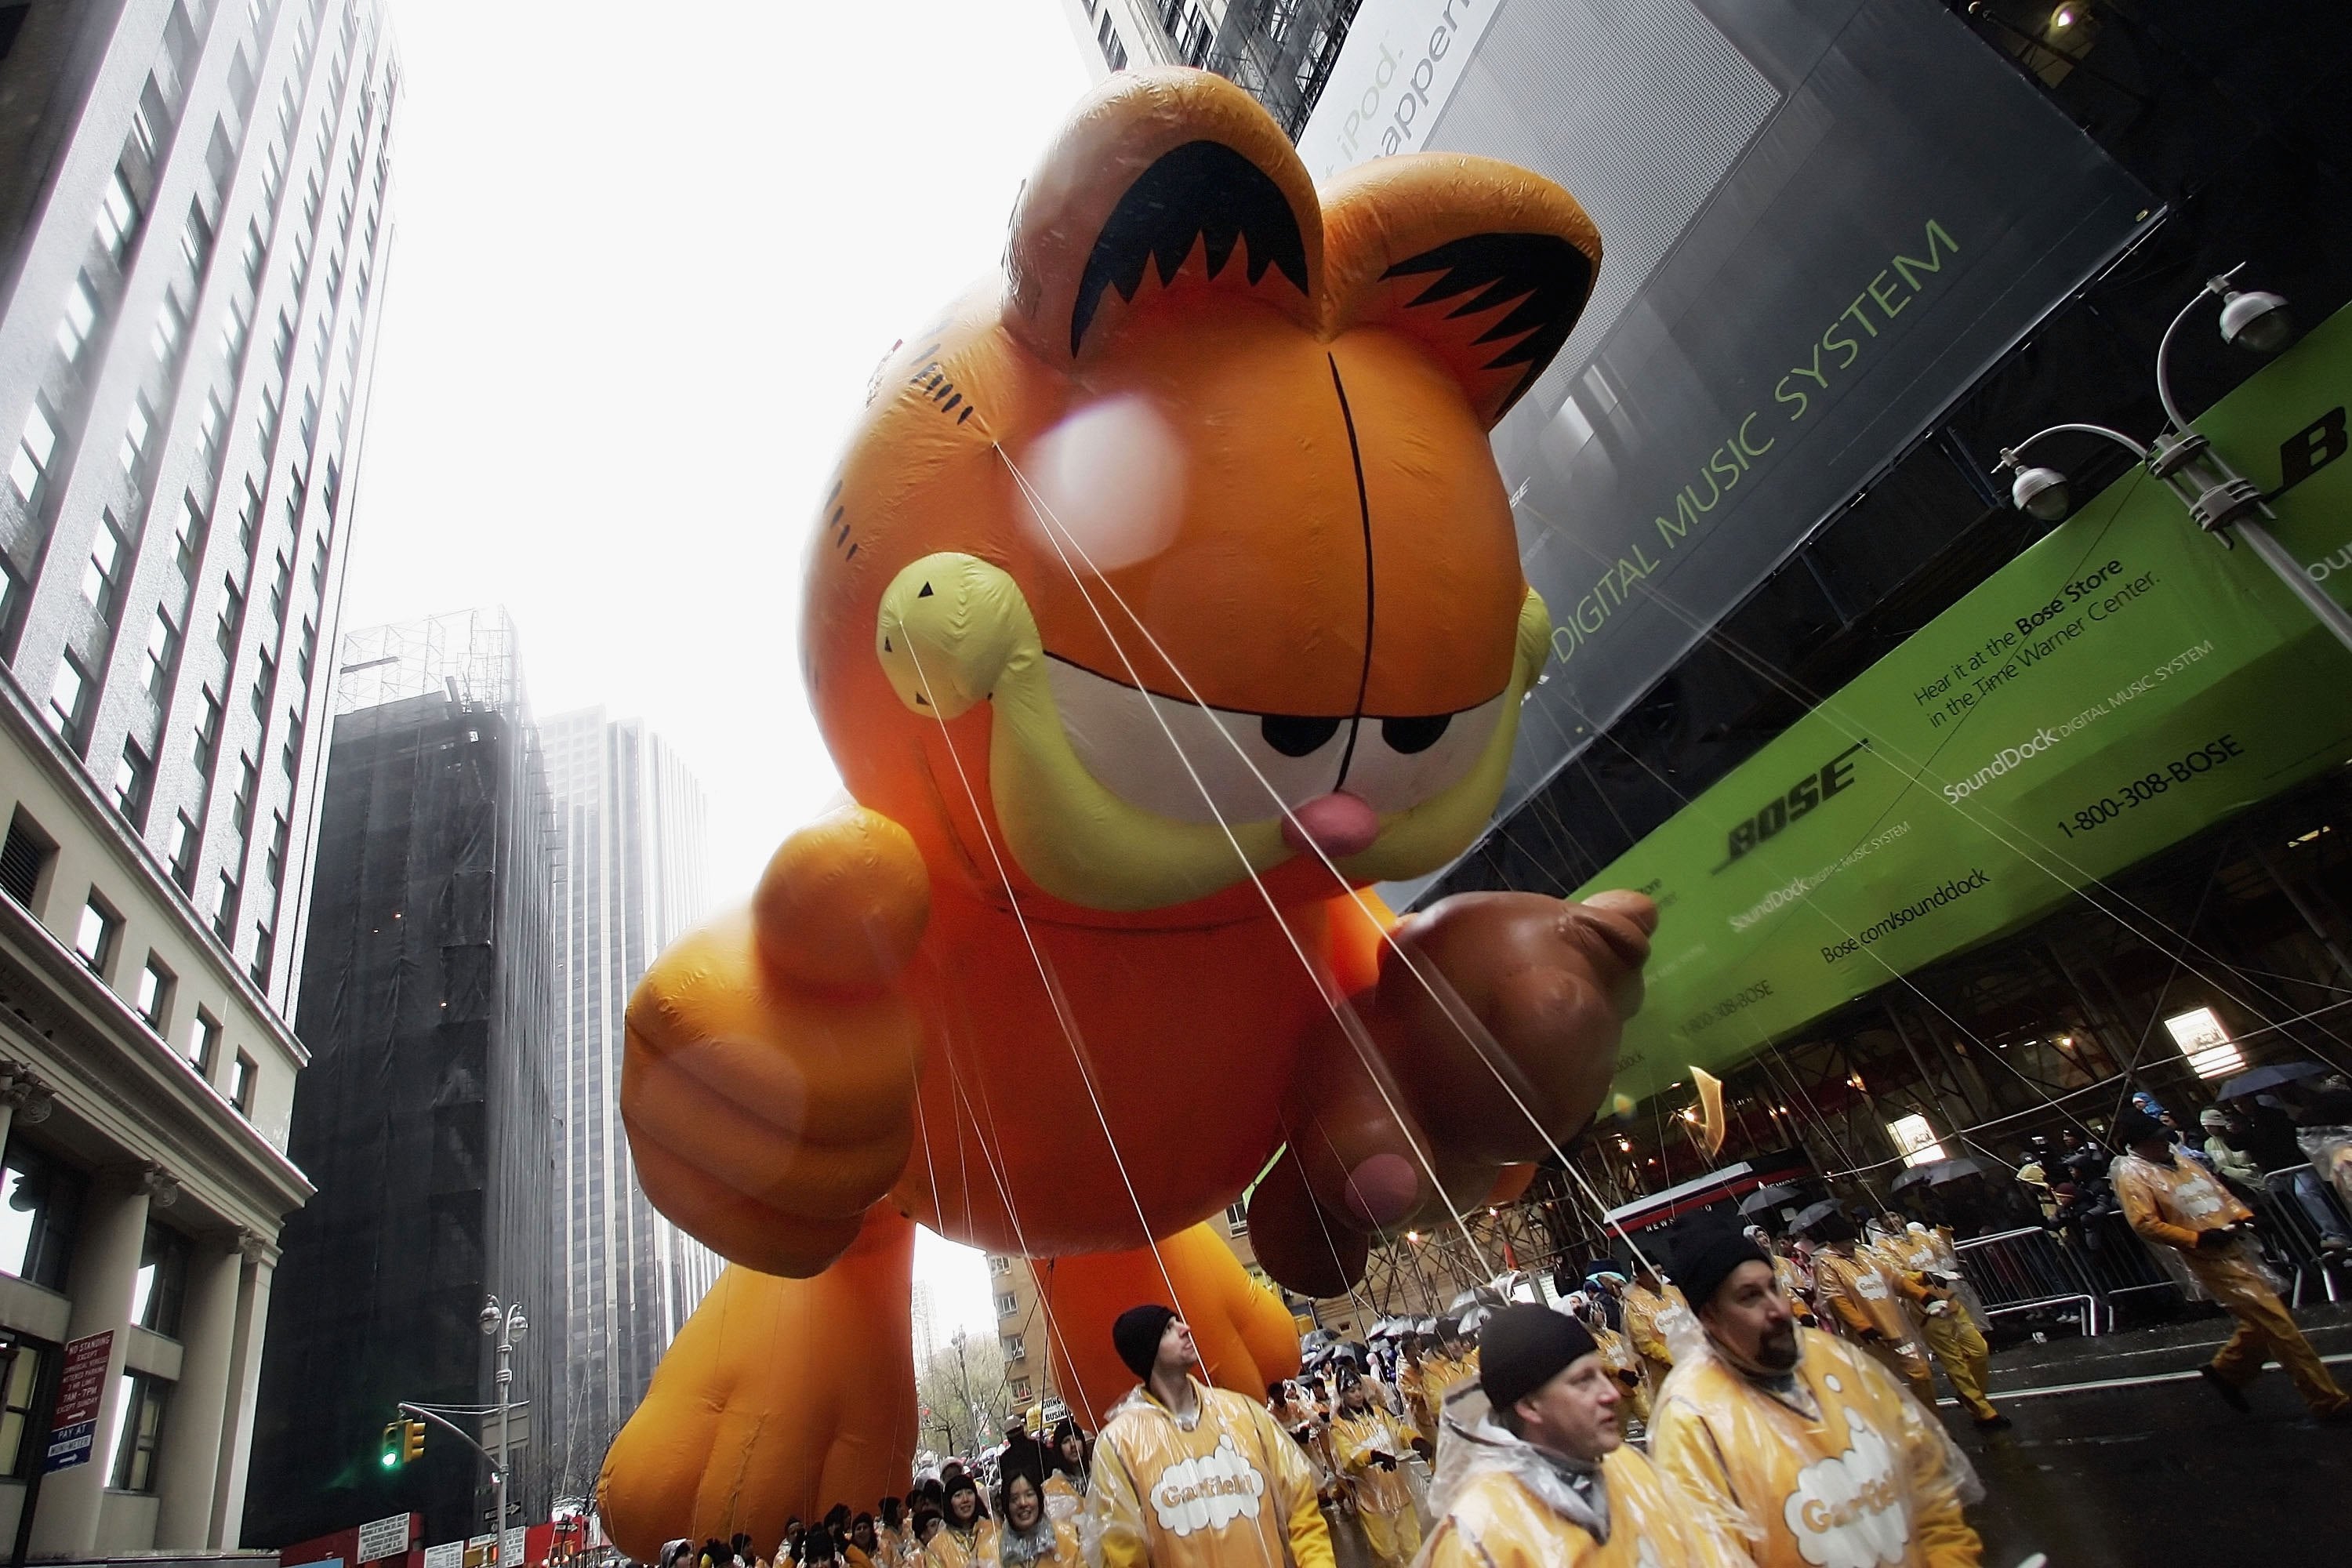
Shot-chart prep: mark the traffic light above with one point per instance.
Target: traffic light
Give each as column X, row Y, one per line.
column 413, row 1445
column 390, row 1457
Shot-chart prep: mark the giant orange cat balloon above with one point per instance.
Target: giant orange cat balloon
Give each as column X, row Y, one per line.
column 1168, row 597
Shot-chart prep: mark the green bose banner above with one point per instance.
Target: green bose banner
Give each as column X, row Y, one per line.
column 2118, row 686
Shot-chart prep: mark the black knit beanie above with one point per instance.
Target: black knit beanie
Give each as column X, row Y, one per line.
column 1136, row 1336
column 1525, row 1346
column 1705, row 1252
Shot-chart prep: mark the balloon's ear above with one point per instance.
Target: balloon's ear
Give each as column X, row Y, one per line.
column 1167, row 180
column 1484, row 264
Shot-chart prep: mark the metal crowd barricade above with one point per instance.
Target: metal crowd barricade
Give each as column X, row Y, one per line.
column 2031, row 1269
column 2291, row 1238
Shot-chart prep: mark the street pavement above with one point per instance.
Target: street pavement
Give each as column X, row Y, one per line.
column 2122, row 1456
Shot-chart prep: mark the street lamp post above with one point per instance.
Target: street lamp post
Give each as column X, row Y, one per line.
column 2218, row 498
column 506, row 1325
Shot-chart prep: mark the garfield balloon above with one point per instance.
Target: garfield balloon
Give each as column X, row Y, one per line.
column 1166, row 598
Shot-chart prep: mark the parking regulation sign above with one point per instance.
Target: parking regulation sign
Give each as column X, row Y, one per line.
column 73, row 1430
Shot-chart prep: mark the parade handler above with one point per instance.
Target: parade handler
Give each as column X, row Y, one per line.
column 1541, row 1477
column 1652, row 1309
column 1370, row 1444
column 1854, row 1284
column 2175, row 1202
column 1802, row 1447
column 1186, row 1475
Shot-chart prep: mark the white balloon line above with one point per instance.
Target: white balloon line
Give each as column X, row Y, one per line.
column 1044, row 975
column 1342, row 1012
column 1056, row 527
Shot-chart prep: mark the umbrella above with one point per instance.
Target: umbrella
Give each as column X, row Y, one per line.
column 1316, row 1339
column 1764, row 1198
column 1813, row 1213
column 1480, row 1295
column 1476, row 1318
column 2260, row 1078
column 1941, row 1171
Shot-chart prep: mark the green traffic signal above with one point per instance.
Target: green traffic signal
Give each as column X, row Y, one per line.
column 393, row 1433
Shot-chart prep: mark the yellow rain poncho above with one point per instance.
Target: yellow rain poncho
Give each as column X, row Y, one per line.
column 1226, row 1489
column 1912, row 1263
column 1626, row 1367
column 1793, row 1285
column 1831, row 1464
column 2173, row 1206
column 1064, row 1497
column 1502, row 1503
column 1864, row 1294
column 1653, row 1321
column 950, row 1548
column 1383, row 1501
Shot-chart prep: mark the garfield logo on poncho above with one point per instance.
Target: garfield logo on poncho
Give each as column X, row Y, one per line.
column 1847, row 1512
column 1208, row 1492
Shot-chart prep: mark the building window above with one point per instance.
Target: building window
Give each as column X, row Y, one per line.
column 118, row 217
column 133, row 775
column 1006, row 1304
column 137, row 1427
column 225, row 908
column 1013, row 1349
column 263, row 940
column 1020, row 1389
column 232, row 615
column 189, row 543
column 203, row 1041
column 23, row 1383
column 185, row 843
column 102, row 580
column 40, row 1208
column 1237, row 1218
column 240, row 1084
column 135, row 432
column 273, row 866
column 163, row 653
column 155, row 982
column 34, row 449
column 248, row 786
column 96, row 936
column 999, row 1263
column 1114, row 47
column 1915, row 1140
column 162, row 1283
column 170, row 327
column 69, row 700
column 208, row 733
column 74, row 333
column 23, row 860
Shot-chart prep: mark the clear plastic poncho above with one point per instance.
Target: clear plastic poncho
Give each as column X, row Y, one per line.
column 1836, row 1463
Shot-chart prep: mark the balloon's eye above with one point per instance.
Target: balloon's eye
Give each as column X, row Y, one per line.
column 1412, row 735
column 1298, row 737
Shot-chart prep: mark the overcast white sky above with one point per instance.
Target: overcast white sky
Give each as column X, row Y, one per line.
column 645, row 260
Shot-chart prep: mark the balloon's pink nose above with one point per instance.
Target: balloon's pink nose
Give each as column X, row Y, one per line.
column 1338, row 824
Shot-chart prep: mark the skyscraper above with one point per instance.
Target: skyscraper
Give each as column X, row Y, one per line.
column 192, row 234
column 629, row 824
column 428, row 1003
column 1279, row 51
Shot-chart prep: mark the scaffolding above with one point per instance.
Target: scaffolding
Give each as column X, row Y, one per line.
column 473, row 655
